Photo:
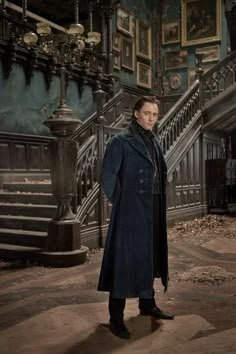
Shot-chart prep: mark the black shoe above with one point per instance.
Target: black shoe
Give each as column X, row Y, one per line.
column 119, row 329
column 157, row 313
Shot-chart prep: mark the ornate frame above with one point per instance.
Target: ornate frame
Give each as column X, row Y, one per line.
column 211, row 53
column 146, row 80
column 143, row 40
column 116, row 41
column 127, row 53
column 175, row 81
column 201, row 21
column 124, row 21
column 167, row 35
column 176, row 59
column 116, row 60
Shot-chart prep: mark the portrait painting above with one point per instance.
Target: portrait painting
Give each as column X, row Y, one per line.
column 143, row 40
column 201, row 21
column 170, row 32
column 116, row 41
column 210, row 53
column 144, row 76
column 127, row 53
column 176, row 59
column 116, row 60
column 124, row 21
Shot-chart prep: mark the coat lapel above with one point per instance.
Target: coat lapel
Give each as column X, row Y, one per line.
column 138, row 144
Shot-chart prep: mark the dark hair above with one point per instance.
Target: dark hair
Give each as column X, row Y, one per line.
column 141, row 101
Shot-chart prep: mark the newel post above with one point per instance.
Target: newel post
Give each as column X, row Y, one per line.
column 199, row 74
column 64, row 230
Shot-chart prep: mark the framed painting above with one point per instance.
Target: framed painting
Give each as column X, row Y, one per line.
column 175, row 81
column 116, row 41
column 201, row 21
column 144, row 75
column 176, row 59
column 170, row 32
column 124, row 21
column 143, row 40
column 116, row 60
column 127, row 53
column 211, row 53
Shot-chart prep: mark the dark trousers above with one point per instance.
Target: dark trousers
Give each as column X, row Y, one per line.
column 116, row 306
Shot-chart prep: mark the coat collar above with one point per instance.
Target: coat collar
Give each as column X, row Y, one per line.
column 137, row 142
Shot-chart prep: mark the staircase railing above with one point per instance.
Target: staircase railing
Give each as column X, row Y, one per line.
column 177, row 119
column 218, row 79
column 90, row 154
column 172, row 128
column 210, row 85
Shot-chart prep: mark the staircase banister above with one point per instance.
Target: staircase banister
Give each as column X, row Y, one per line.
column 88, row 122
column 85, row 146
column 222, row 63
column 178, row 104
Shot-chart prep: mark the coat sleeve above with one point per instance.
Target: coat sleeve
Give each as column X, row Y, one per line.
column 110, row 167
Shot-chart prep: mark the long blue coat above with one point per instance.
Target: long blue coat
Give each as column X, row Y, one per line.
column 127, row 178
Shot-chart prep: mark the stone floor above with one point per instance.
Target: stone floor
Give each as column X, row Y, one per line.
column 46, row 310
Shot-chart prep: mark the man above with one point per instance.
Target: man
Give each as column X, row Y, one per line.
column 133, row 178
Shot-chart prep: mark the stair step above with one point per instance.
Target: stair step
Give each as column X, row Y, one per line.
column 46, row 211
column 23, row 238
column 10, row 252
column 36, row 187
column 27, row 198
column 24, row 222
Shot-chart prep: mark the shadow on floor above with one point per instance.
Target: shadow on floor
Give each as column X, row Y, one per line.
column 102, row 341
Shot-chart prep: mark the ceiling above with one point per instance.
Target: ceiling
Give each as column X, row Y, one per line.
column 57, row 11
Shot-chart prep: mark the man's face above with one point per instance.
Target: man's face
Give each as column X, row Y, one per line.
column 147, row 116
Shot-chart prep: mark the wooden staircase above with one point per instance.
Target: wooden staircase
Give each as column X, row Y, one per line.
column 26, row 207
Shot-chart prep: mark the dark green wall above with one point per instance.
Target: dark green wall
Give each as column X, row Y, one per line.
column 24, row 108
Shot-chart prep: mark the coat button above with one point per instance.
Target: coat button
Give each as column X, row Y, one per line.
column 141, row 180
column 141, row 170
column 141, row 191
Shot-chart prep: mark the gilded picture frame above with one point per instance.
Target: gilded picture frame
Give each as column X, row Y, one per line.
column 170, row 32
column 116, row 60
column 210, row 53
column 124, row 21
column 116, row 41
column 201, row 21
column 144, row 75
column 127, row 53
column 176, row 59
column 143, row 40
column 175, row 81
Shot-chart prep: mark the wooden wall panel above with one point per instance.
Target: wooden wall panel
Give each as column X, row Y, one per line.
column 23, row 153
column 19, row 157
column 5, row 157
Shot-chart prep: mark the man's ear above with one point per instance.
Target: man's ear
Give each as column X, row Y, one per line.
column 136, row 114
